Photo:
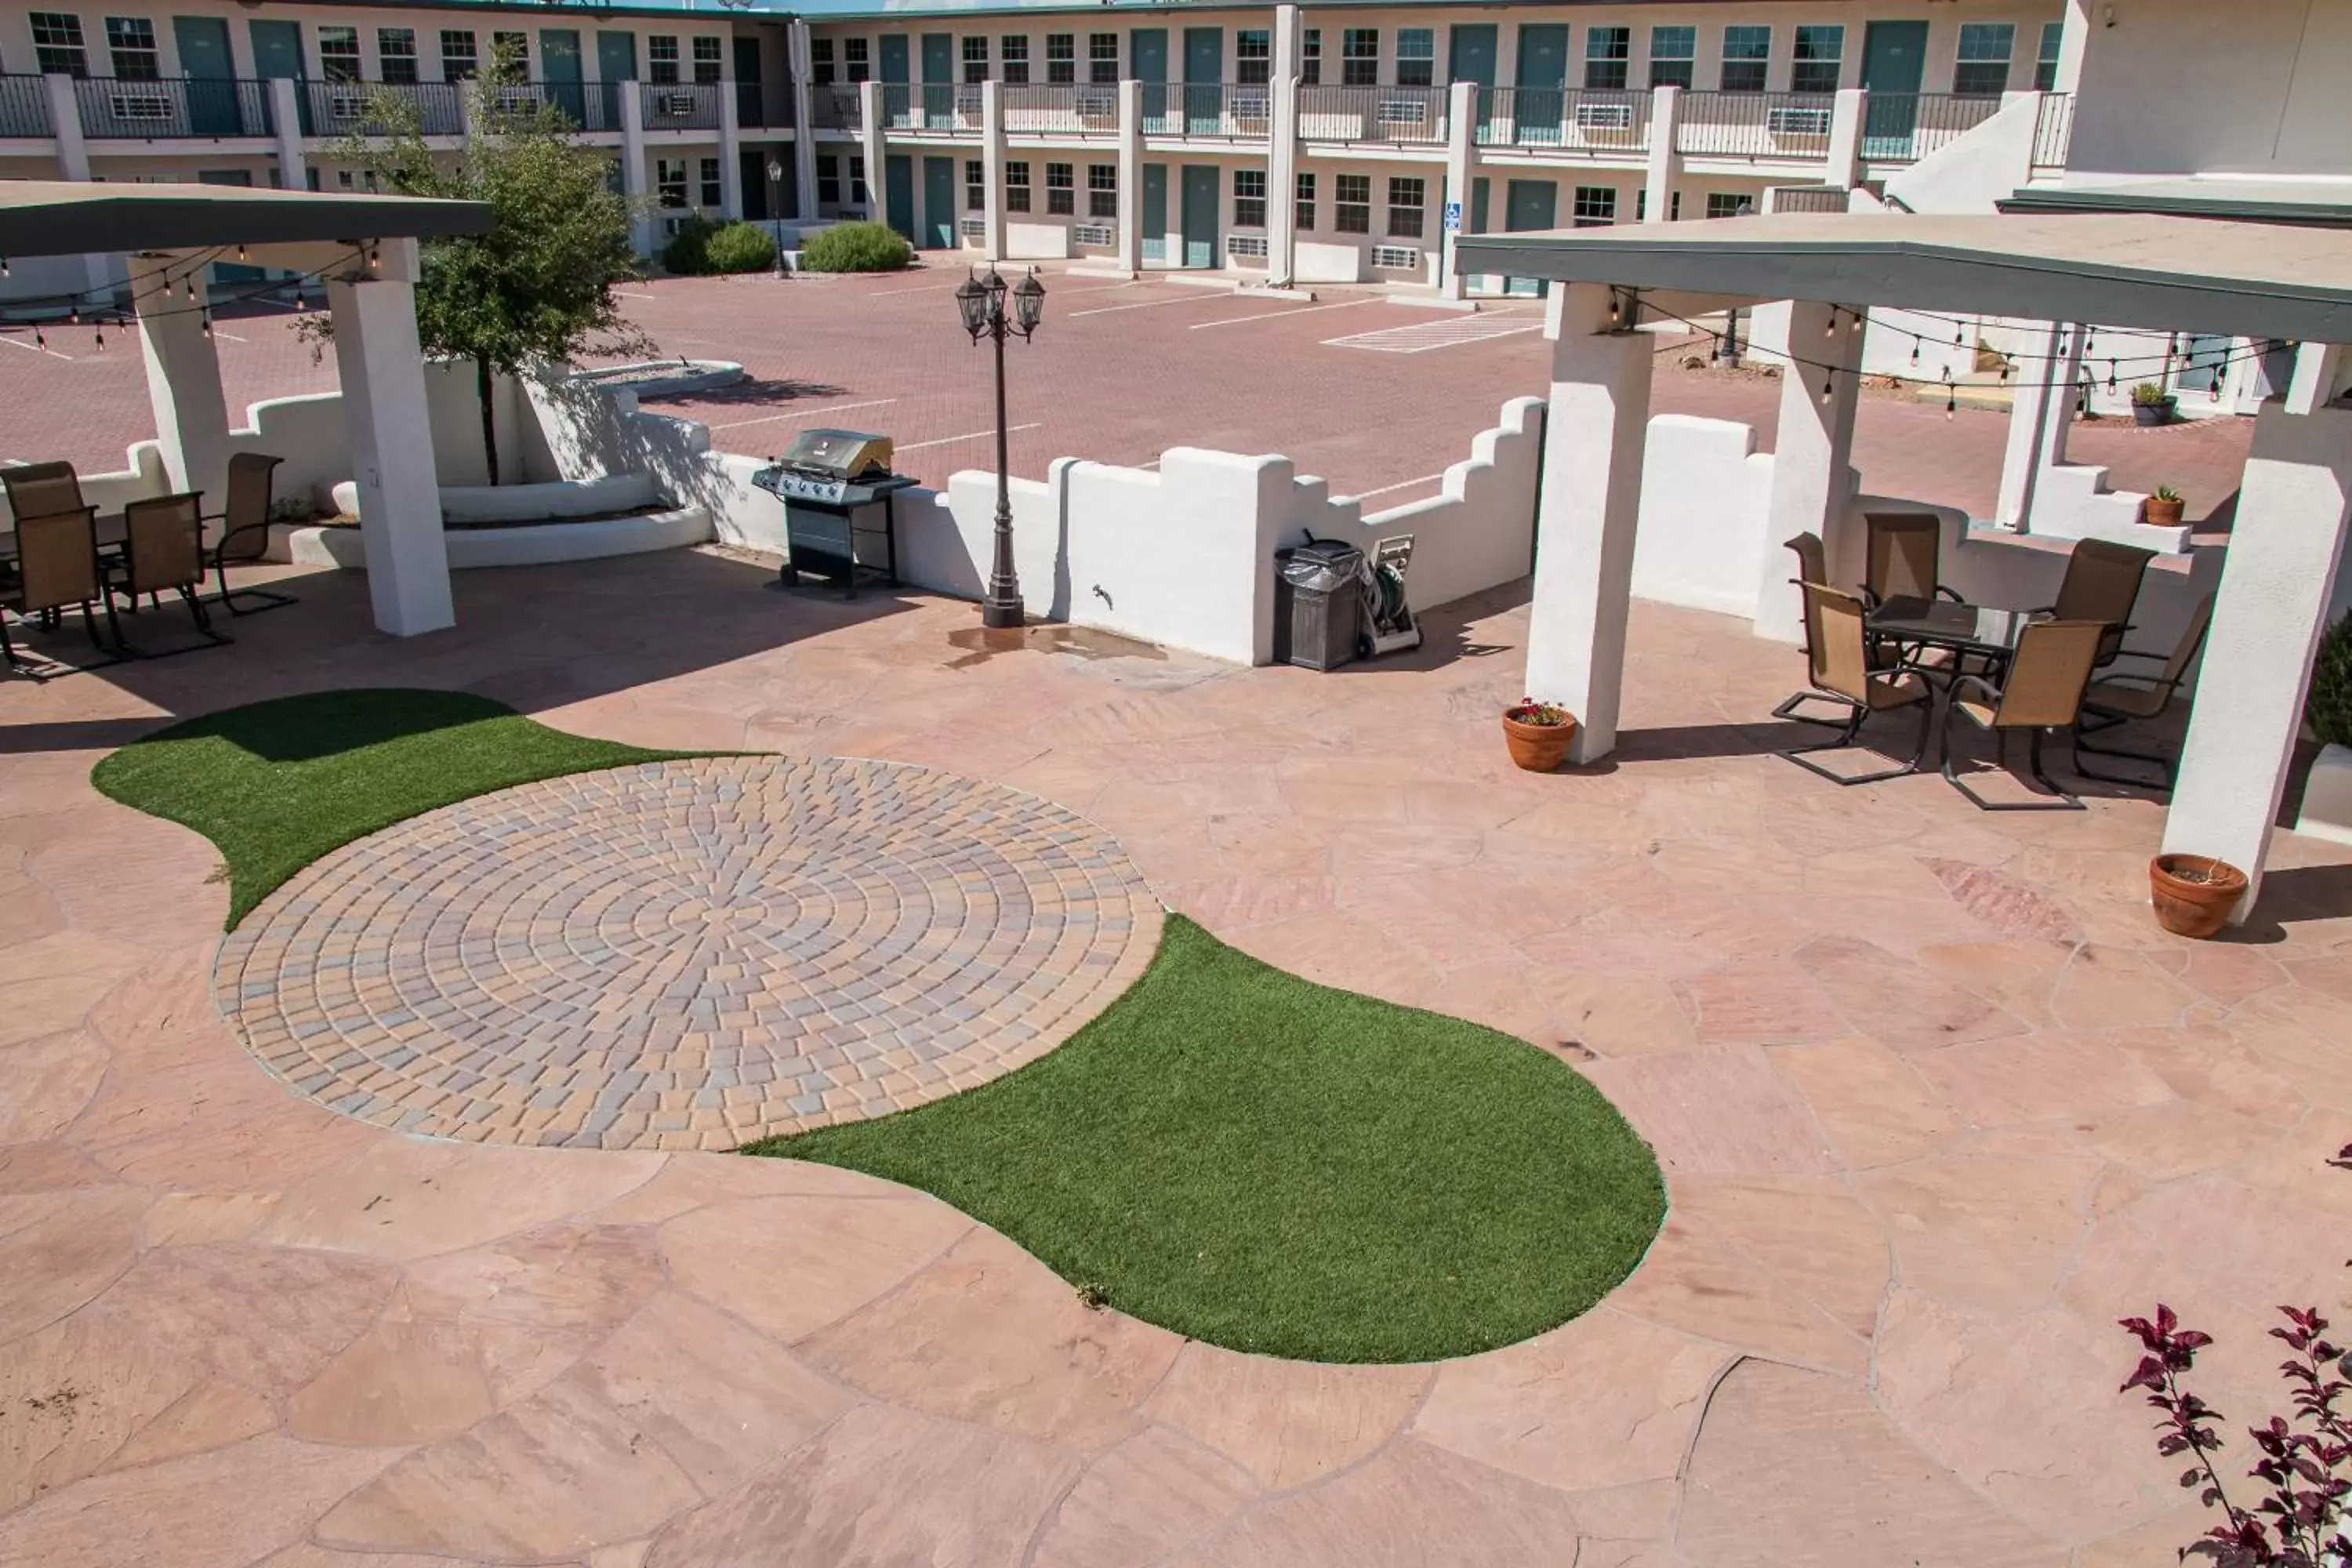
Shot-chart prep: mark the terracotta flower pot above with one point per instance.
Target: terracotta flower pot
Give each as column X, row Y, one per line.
column 2160, row 513
column 2194, row 894
column 1538, row 748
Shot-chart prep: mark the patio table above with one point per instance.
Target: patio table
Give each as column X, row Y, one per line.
column 1968, row 629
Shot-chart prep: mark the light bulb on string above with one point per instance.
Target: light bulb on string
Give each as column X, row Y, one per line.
column 1959, row 336
column 1915, row 348
column 207, row 318
column 1951, row 403
column 240, row 253
column 73, row 317
column 4, row 266
column 2111, row 376
column 40, row 340
column 1829, row 387
column 98, row 335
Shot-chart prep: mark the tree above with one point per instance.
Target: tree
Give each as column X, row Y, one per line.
column 535, row 291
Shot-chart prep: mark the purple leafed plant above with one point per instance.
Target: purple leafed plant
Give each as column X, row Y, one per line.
column 2299, row 1520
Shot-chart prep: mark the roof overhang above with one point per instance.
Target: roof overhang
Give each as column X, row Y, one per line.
column 52, row 217
column 2160, row 272
column 2320, row 204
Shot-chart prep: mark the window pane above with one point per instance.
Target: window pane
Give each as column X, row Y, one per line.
column 1671, row 56
column 1606, row 52
column 661, row 57
column 1252, row 57
column 1102, row 57
column 339, row 53
column 395, row 52
column 131, row 41
column 1014, row 53
column 1595, row 205
column 57, row 43
column 1062, row 189
column 2045, row 68
column 459, row 59
column 1818, row 53
column 1061, row 57
column 1102, row 190
column 1404, row 208
column 1360, row 56
column 975, row 58
column 1304, row 215
column 1983, row 68
column 855, row 63
column 1416, row 56
column 1747, row 58
column 708, row 64
column 1351, row 203
column 1726, row 204
column 1310, row 57
column 1016, row 186
column 714, row 192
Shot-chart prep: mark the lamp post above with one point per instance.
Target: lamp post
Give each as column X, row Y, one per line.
column 776, row 209
column 982, row 301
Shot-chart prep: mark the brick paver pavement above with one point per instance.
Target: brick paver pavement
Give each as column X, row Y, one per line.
column 686, row 954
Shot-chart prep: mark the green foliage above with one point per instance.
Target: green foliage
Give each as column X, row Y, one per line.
column 2166, row 494
column 2329, row 706
column 688, row 252
column 2150, row 393
column 741, row 248
column 856, row 248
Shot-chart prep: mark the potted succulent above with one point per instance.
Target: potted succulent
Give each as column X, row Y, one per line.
column 2162, row 510
column 2151, row 405
column 1538, row 733
column 2193, row 894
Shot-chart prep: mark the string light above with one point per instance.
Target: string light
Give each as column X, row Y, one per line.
column 1914, row 351
column 2111, row 376
column 1829, row 387
column 1951, row 403
column 1830, row 329
column 4, row 266
column 207, row 319
column 98, row 335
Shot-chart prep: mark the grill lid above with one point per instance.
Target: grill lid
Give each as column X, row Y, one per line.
column 839, row 454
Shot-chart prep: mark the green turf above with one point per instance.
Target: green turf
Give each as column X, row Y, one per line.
column 277, row 784
column 1270, row 1165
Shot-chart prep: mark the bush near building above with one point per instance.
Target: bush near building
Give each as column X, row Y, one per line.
column 702, row 247
column 856, row 248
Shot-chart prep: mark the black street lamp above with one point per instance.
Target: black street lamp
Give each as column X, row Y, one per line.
column 982, row 301
column 776, row 209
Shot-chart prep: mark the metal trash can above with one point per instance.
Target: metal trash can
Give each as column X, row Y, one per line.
column 1319, row 604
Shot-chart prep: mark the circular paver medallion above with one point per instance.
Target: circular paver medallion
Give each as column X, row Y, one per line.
column 686, row 954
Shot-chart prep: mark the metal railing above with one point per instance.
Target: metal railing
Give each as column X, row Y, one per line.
column 1063, row 110
column 361, row 108
column 1904, row 127
column 1755, row 124
column 112, row 108
column 1228, row 110
column 835, row 106
column 950, row 108
column 2053, row 130
column 1572, row 119
column 24, row 107
column 763, row 105
column 1406, row 116
column 679, row 105
column 1807, row 198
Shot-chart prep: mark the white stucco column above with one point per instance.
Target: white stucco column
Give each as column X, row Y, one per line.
column 632, row 165
column 73, row 157
column 803, row 135
column 1594, row 432
column 870, row 148
column 730, row 154
column 2040, row 418
column 1842, row 167
column 1812, row 455
column 286, row 120
column 1130, row 176
column 992, row 157
column 1666, row 163
column 382, row 375
column 1282, row 153
column 183, row 384
column 1461, row 171
column 2073, row 42
column 2268, row 616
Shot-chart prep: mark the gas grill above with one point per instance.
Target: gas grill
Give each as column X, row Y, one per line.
column 831, row 482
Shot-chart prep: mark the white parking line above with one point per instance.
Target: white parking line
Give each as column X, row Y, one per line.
column 1277, row 315
column 626, row 294
column 1421, row 336
column 230, row 336
column 1189, row 299
column 1390, row 489
column 925, row 288
column 968, row 435
column 34, row 348
column 803, row 413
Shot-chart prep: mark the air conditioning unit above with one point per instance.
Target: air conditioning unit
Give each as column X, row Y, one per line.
column 1245, row 246
column 1097, row 234
column 347, row 106
column 1403, row 113
column 1098, row 102
column 141, row 105
column 1799, row 122
column 1604, row 117
column 1251, row 106
column 678, row 105
column 1396, row 258
column 517, row 99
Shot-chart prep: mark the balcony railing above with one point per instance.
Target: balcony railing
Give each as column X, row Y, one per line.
column 1808, row 198
column 112, row 108
column 945, row 107
column 1405, row 116
column 1039, row 109
column 1571, row 120
column 2053, row 130
column 24, row 107
column 835, row 106
column 1755, row 124
column 1228, row 110
column 1904, row 127
column 679, row 105
column 763, row 105
column 364, row 108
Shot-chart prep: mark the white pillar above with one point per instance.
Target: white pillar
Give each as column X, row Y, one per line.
column 1844, row 165
column 382, row 375
column 1812, row 455
column 286, row 118
column 869, row 143
column 991, row 158
column 803, row 134
column 1594, row 431
column 2073, row 42
column 1461, row 173
column 73, row 159
column 183, row 384
column 1666, row 163
column 1130, row 176
column 2040, row 419
column 632, row 165
column 1282, row 152
column 730, row 154
column 2268, row 616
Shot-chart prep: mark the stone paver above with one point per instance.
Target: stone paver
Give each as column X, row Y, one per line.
column 686, row 954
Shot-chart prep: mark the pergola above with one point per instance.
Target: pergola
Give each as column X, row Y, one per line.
column 2162, row 273
column 364, row 248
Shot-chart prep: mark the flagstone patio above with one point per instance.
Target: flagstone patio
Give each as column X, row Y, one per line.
column 1936, row 1101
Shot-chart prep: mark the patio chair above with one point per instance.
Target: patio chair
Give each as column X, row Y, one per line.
column 1838, row 664
column 1905, row 557
column 163, row 548
column 42, row 489
column 58, row 565
column 2119, row 700
column 2102, row 584
column 2042, row 691
column 1812, row 566
column 245, row 529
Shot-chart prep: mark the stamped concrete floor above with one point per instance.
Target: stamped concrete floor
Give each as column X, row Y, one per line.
column 1936, row 1103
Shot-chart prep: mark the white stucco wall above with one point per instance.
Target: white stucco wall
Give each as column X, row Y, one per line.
column 2192, row 85
column 1705, row 491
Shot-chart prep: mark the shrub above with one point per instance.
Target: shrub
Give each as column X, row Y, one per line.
column 2329, row 706
column 2151, row 395
column 856, row 248
column 687, row 251
column 739, row 247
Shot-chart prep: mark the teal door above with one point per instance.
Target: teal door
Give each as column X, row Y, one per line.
column 894, row 57
column 211, row 86
column 1200, row 215
column 1894, row 65
column 616, row 56
column 1155, row 213
column 939, row 203
column 559, row 67
column 1147, row 48
column 1528, row 204
column 277, row 53
column 899, row 192
column 1540, row 104
column 1470, row 53
column 939, row 80
column 1204, row 93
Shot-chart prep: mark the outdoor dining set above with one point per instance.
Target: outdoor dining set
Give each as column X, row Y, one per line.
column 1902, row 639
column 63, row 555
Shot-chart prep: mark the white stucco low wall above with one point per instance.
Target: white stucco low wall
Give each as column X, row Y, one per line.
column 529, row 545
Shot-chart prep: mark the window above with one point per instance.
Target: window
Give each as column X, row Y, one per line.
column 1983, row 68
column 1746, row 57
column 57, row 43
column 395, row 54
column 1062, row 189
column 1595, row 205
column 1404, row 206
column 975, row 186
column 1607, row 51
column 511, row 53
column 1673, row 52
column 975, row 58
column 459, row 59
column 339, row 54
column 1252, row 57
column 131, row 41
column 1102, row 190
column 669, row 181
column 820, row 61
column 1249, row 198
column 1102, row 57
column 2045, row 66
column 1310, row 57
column 708, row 63
column 828, row 180
column 714, row 191
column 1416, row 59
column 1016, row 186
column 661, row 57
column 1729, row 204
column 858, row 196
column 1820, row 50
column 854, row 66
column 1360, row 56
column 1351, row 203
column 1015, row 46
column 1061, row 57
column 1304, row 215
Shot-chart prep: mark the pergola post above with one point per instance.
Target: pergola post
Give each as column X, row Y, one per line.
column 2268, row 617
column 384, row 409
column 183, row 384
column 1130, row 176
column 1593, row 437
column 2040, row 418
column 1461, row 172
column 1812, row 453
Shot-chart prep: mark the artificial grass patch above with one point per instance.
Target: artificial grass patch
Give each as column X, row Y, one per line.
column 1270, row 1166
column 277, row 784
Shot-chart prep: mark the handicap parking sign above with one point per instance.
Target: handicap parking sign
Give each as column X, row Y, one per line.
column 1453, row 218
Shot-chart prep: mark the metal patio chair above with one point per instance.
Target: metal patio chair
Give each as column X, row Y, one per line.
column 164, row 550
column 1838, row 664
column 2042, row 691
column 244, row 517
column 57, row 565
column 1904, row 558
column 43, row 490
column 2102, row 584
column 1812, row 566
column 2118, row 700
